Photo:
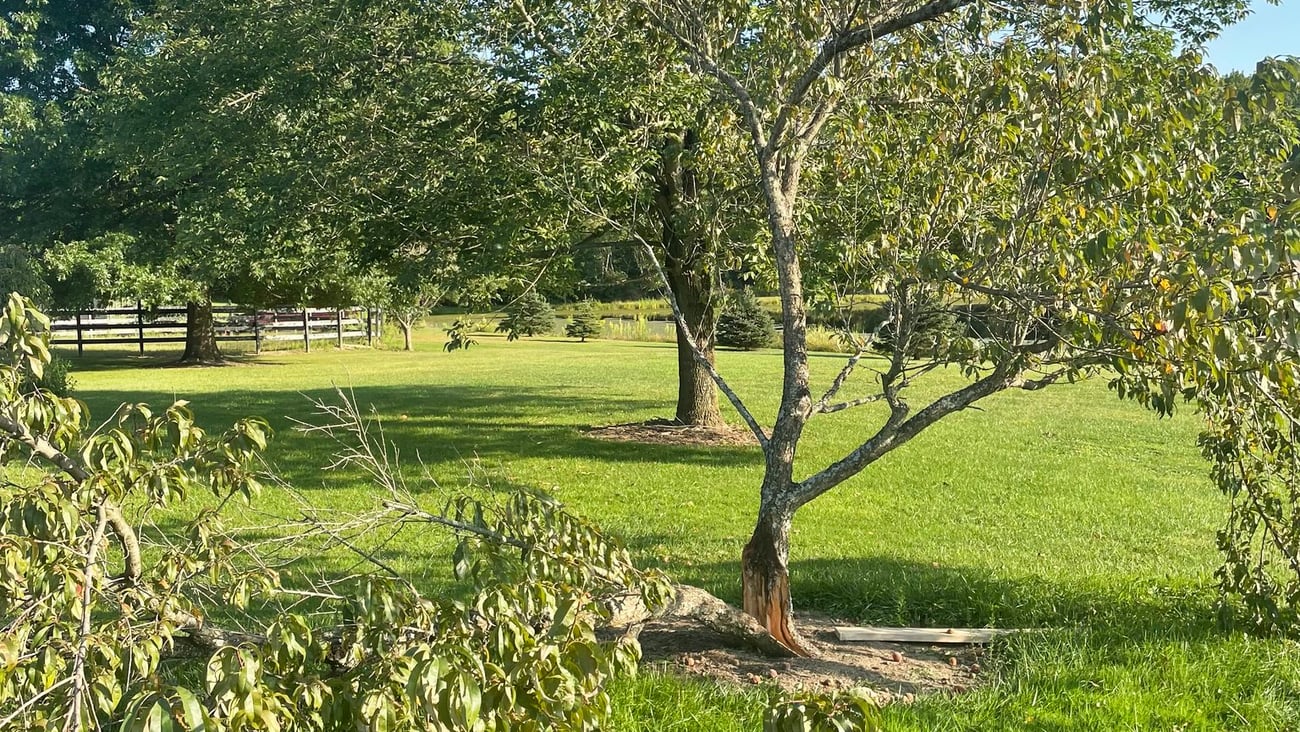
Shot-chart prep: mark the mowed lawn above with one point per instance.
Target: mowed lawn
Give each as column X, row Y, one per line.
column 1065, row 510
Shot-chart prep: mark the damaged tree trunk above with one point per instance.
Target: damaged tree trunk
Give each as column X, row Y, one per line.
column 765, row 580
column 765, row 574
column 201, row 334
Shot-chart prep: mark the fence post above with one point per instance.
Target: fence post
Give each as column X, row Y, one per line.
column 370, row 334
column 338, row 325
column 257, row 331
column 306, row 331
column 139, row 324
column 81, row 347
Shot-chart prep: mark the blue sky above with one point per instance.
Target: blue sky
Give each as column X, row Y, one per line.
column 1272, row 30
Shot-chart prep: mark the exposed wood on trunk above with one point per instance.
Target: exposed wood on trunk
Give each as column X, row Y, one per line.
column 765, row 581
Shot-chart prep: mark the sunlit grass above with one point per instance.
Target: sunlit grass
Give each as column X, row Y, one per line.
column 1066, row 510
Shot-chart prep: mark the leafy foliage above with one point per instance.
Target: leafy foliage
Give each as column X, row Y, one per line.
column 21, row 272
column 458, row 336
column 841, row 712
column 744, row 323
column 586, row 322
column 529, row 315
column 91, row 626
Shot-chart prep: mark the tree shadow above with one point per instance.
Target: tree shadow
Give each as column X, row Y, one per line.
column 112, row 360
column 893, row 592
column 441, row 426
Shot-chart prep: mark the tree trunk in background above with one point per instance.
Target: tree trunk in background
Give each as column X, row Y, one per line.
column 697, row 395
column 200, row 334
column 406, row 326
column 689, row 263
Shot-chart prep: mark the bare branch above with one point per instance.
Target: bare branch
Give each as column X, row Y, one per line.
column 841, row 43
column 703, row 360
column 891, row 436
column 73, row 719
column 841, row 406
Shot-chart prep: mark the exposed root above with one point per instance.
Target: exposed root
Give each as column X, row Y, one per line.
column 698, row 606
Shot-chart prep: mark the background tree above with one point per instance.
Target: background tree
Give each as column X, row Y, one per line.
column 632, row 151
column 299, row 142
column 58, row 189
column 585, row 323
column 528, row 315
column 745, row 324
column 1051, row 162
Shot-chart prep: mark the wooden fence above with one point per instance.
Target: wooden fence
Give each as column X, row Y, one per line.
column 139, row 326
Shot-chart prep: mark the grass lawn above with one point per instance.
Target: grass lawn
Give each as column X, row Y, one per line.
column 1064, row 509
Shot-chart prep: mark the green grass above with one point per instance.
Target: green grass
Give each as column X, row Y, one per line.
column 1064, row 509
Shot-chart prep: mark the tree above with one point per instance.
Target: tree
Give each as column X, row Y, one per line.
column 745, row 324
column 586, row 322
column 105, row 629
column 61, row 198
column 300, row 143
column 631, row 151
column 527, row 316
column 1054, row 162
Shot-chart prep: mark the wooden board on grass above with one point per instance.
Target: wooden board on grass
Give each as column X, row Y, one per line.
column 956, row 636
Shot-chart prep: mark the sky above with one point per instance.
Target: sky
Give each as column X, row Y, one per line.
column 1272, row 30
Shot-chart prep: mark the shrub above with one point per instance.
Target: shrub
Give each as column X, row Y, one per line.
column 528, row 316
column 458, row 338
column 745, row 324
column 213, row 629
column 56, row 378
column 586, row 322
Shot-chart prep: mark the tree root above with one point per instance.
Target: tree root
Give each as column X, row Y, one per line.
column 698, row 606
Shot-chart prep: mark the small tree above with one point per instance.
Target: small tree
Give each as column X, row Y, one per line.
column 920, row 327
column 745, row 324
column 1010, row 157
column 530, row 315
column 586, row 322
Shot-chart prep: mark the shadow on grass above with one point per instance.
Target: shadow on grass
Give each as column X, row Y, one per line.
column 112, row 360
column 441, row 426
column 891, row 592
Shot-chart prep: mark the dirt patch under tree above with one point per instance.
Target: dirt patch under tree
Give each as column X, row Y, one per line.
column 668, row 432
column 700, row 635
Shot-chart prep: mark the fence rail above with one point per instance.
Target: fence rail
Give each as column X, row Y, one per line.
column 140, row 326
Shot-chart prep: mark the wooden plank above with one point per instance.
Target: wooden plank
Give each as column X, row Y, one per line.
column 959, row 636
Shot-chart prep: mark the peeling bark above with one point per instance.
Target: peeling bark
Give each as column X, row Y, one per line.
column 765, row 581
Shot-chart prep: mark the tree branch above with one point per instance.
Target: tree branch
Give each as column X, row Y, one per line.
column 72, row 468
column 840, row 43
column 703, row 360
column 888, row 438
column 706, row 63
